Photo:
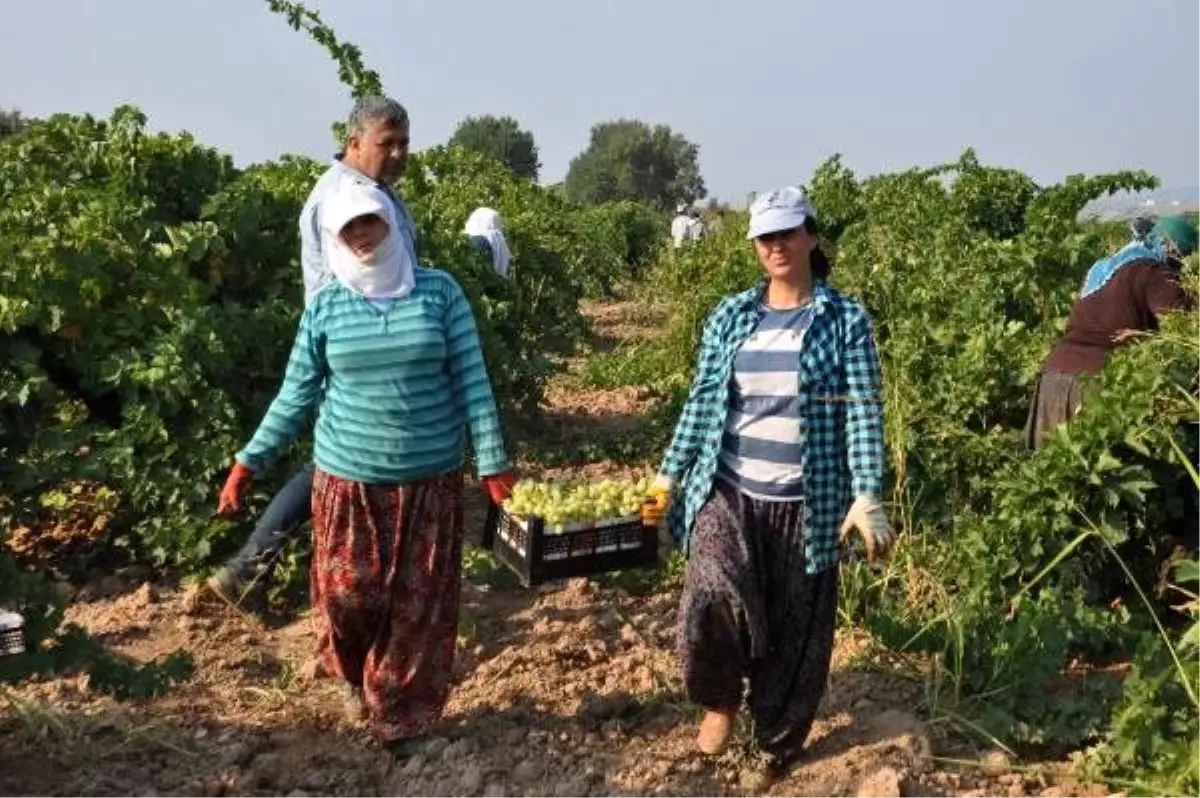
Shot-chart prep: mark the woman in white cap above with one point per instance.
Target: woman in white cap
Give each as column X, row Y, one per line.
column 389, row 355
column 485, row 228
column 778, row 450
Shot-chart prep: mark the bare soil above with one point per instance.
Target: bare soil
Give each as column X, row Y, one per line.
column 571, row 689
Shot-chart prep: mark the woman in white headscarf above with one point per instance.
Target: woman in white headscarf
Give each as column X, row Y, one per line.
column 389, row 357
column 485, row 228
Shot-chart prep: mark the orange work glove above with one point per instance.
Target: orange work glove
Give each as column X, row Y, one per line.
column 499, row 487
column 234, row 493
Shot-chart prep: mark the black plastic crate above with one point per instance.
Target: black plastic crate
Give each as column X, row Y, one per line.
column 538, row 556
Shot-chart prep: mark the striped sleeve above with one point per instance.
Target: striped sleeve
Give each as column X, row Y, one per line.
column 701, row 403
column 864, row 413
column 472, row 387
column 293, row 407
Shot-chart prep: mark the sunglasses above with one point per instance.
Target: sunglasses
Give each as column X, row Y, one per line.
column 778, row 235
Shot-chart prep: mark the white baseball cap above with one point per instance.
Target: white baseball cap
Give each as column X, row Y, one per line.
column 784, row 209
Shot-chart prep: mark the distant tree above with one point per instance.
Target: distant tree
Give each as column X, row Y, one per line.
column 502, row 138
column 628, row 159
column 11, row 122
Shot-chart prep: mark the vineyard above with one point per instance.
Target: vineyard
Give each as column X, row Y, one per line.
column 1033, row 633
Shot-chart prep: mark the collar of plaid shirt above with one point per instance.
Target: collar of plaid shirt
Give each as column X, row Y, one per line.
column 841, row 417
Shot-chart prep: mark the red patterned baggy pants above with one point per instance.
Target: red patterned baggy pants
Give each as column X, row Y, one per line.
column 386, row 573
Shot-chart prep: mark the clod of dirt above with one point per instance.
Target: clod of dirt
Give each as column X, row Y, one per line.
column 311, row 670
column 526, row 772
column 271, row 771
column 579, row 588
column 494, row 790
column 145, row 596
column 897, row 723
column 995, row 763
column 595, row 709
column 471, row 779
column 459, row 750
column 194, row 599
column 570, row 787
column 434, row 746
column 414, row 765
column 756, row 779
column 237, row 755
column 883, row 783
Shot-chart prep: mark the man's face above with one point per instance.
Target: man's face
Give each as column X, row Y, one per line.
column 380, row 152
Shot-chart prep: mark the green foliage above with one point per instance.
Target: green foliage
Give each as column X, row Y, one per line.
column 1154, row 735
column 351, row 70
column 629, row 160
column 623, row 238
column 114, row 355
column 501, row 138
column 353, row 73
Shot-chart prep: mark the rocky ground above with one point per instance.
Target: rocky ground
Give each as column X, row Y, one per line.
column 570, row 689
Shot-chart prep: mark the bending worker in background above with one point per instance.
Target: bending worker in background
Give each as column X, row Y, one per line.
column 778, row 452
column 485, row 228
column 1123, row 296
column 376, row 152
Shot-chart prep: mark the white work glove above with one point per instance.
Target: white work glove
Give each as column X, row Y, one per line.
column 866, row 515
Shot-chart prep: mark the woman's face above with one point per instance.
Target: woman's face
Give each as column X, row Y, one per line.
column 363, row 234
column 785, row 254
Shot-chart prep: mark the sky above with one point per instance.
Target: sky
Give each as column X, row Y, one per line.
column 767, row 89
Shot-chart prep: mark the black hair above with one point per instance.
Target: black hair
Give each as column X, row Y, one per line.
column 818, row 261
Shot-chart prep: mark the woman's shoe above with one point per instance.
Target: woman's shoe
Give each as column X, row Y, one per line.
column 715, row 731
column 352, row 703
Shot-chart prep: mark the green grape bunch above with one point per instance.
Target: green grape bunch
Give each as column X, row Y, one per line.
column 563, row 505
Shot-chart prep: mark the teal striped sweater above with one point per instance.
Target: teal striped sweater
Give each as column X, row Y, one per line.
column 401, row 385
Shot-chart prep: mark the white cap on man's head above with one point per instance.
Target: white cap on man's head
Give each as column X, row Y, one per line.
column 784, row 209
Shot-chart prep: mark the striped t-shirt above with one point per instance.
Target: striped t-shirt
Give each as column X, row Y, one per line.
column 760, row 451
column 402, row 382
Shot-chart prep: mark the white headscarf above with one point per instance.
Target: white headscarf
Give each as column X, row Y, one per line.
column 386, row 273
column 488, row 223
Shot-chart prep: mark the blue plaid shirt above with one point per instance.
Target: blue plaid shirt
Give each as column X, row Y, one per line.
column 841, row 416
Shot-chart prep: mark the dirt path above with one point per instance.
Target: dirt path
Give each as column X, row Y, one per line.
column 567, row 690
